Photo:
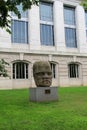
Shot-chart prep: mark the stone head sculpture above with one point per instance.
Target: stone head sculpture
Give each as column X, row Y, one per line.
column 42, row 73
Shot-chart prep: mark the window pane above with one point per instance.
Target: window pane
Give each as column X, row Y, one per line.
column 24, row 14
column 19, row 31
column 20, row 70
column 86, row 18
column 26, row 71
column 70, row 37
column 86, row 34
column 69, row 15
column 73, row 71
column 46, row 11
column 53, row 67
column 17, row 71
column 47, row 37
column 13, row 71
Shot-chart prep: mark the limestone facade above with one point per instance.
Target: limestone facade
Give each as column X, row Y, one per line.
column 58, row 54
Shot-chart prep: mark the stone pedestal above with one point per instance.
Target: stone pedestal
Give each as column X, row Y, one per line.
column 42, row 94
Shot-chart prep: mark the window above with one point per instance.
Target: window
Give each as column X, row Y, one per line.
column 24, row 14
column 46, row 11
column 46, row 24
column 69, row 15
column 70, row 37
column 86, row 17
column 70, row 27
column 20, row 70
column 46, row 34
column 86, row 22
column 19, row 27
column 73, row 70
column 19, row 31
column 53, row 67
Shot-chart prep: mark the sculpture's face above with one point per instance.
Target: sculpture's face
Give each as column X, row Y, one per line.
column 42, row 74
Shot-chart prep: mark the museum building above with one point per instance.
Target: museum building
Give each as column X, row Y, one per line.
column 54, row 31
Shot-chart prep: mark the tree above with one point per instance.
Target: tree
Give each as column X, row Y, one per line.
column 84, row 4
column 3, row 71
column 11, row 5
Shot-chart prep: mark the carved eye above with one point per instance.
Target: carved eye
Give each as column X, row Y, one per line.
column 42, row 73
column 49, row 73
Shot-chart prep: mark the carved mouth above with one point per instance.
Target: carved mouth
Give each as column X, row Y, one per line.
column 46, row 81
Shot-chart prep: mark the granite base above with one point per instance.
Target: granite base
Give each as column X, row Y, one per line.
column 43, row 94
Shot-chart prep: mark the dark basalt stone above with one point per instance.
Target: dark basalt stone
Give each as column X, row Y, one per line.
column 42, row 74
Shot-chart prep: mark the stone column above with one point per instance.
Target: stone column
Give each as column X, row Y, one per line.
column 59, row 26
column 34, row 28
column 81, row 29
column 5, row 39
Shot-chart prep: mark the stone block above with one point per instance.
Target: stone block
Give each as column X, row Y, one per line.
column 43, row 94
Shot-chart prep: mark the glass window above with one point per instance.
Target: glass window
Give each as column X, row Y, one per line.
column 86, row 23
column 86, row 18
column 19, row 31
column 53, row 67
column 20, row 70
column 86, row 34
column 24, row 14
column 70, row 37
column 69, row 15
column 46, row 11
column 19, row 27
column 46, row 24
column 47, row 37
column 70, row 27
column 73, row 70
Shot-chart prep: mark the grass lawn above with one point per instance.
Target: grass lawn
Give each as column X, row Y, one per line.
column 69, row 113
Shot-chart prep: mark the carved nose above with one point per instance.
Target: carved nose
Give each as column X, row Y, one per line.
column 46, row 75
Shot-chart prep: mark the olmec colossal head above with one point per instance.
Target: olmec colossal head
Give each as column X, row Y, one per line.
column 42, row 73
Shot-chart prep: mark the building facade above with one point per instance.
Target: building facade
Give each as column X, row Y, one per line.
column 55, row 31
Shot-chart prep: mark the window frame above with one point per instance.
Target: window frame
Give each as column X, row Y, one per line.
column 70, row 26
column 74, row 45
column 23, row 19
column 73, row 67
column 49, row 23
column 19, row 68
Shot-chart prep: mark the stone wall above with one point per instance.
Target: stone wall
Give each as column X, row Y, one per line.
column 61, row 62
